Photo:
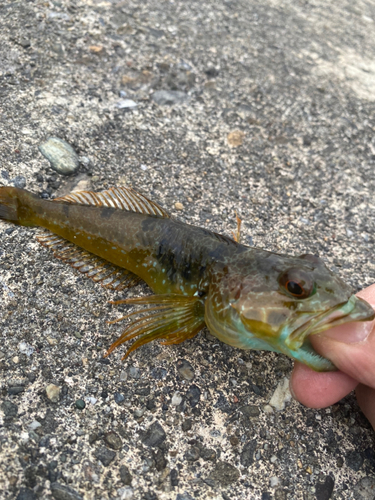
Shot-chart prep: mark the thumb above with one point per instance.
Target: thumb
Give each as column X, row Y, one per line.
column 351, row 347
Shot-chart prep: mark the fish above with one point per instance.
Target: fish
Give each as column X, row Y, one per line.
column 247, row 297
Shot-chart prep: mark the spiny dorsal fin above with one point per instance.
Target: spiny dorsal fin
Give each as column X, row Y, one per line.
column 99, row 270
column 120, row 197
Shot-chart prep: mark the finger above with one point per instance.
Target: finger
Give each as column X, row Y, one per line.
column 366, row 400
column 318, row 390
column 351, row 347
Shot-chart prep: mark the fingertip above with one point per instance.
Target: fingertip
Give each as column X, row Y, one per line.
column 319, row 389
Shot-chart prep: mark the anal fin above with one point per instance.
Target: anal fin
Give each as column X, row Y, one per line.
column 99, row 270
column 172, row 317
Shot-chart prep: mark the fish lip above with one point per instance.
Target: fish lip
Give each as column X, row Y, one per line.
column 354, row 309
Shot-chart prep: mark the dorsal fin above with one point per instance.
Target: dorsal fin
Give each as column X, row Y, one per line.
column 121, row 197
column 99, row 270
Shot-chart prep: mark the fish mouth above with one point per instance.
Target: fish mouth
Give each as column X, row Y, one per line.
column 354, row 309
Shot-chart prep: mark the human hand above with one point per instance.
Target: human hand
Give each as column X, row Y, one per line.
column 351, row 347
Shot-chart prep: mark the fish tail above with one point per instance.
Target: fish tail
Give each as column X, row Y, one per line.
column 14, row 207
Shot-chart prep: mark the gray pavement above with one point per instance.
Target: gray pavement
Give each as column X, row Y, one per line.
column 266, row 108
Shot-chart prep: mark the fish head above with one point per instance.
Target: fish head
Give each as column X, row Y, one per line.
column 262, row 300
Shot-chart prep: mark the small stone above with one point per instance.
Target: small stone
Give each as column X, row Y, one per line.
column 80, row 404
column 364, row 489
column 105, row 455
column 16, row 360
column 268, row 409
column 274, row 481
column 126, row 104
column 179, row 206
column 96, row 49
column 323, row 491
column 224, row 473
column 113, row 440
column 19, row 182
column 235, row 138
column 247, row 455
column 169, row 97
column 9, row 409
column 12, row 391
column 61, row 492
column 176, row 399
column 192, row 454
column 64, row 160
column 119, row 398
column 91, row 399
column 193, row 395
column 25, row 348
column 26, row 494
column 186, row 425
column 266, row 496
column 185, row 370
column 125, row 475
column 34, row 425
column 282, row 395
column 354, row 460
column 250, row 411
column 135, row 372
column 154, row 435
column 280, row 494
column 53, row 393
column 184, row 496
column 125, row 493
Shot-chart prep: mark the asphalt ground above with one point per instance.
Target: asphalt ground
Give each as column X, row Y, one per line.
column 268, row 109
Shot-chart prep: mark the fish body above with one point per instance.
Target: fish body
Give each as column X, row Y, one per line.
column 247, row 297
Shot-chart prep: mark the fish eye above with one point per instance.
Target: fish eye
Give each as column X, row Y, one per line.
column 297, row 283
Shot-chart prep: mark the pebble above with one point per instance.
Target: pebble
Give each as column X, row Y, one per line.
column 154, row 435
column 281, row 396
column 185, row 370
column 169, row 97
column 187, row 425
column 113, row 440
column 13, row 391
column 91, row 399
column 105, row 455
column 235, row 138
column 34, row 425
column 26, row 494
column 9, row 409
column 64, row 160
column 247, row 455
column 61, row 492
column 193, row 395
column 26, row 348
column 192, row 454
column 274, row 481
column 53, row 393
column 323, row 491
column 126, row 104
column 80, row 404
column 184, row 496
column 125, row 475
column 224, row 473
column 354, row 460
column 364, row 489
column 19, row 182
column 178, row 206
column 273, row 459
column 268, row 409
column 119, row 398
column 176, row 399
column 135, row 372
column 16, row 360
column 250, row 411
column 125, row 493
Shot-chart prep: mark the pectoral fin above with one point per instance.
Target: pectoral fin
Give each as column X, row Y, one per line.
column 172, row 317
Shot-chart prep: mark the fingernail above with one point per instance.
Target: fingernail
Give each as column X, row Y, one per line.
column 350, row 333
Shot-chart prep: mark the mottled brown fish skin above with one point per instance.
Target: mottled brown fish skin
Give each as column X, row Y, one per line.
column 170, row 256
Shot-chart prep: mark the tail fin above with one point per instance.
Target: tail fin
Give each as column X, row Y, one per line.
column 9, row 203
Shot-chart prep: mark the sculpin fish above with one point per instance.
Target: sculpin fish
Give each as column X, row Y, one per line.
column 247, row 297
